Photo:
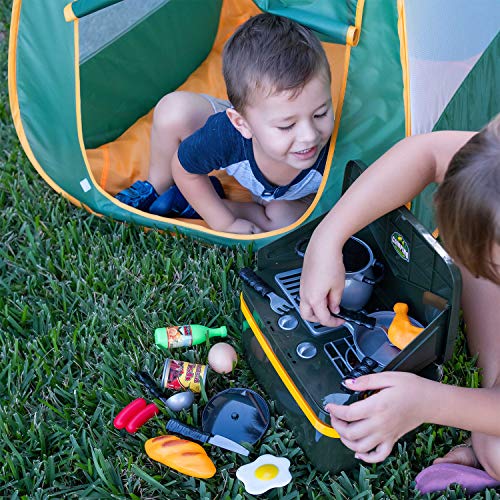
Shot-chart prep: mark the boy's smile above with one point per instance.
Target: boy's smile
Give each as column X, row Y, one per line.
column 288, row 131
column 307, row 154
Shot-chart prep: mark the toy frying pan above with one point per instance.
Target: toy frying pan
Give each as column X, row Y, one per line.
column 374, row 343
column 239, row 414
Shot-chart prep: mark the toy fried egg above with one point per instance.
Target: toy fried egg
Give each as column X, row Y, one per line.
column 265, row 473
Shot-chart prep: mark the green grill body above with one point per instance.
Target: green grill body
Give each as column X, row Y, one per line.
column 428, row 282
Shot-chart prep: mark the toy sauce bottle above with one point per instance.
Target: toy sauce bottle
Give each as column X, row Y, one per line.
column 186, row 335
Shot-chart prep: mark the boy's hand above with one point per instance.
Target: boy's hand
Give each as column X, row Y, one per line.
column 370, row 427
column 321, row 283
column 242, row 226
column 200, row 193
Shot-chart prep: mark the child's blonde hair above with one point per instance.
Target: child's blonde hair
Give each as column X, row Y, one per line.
column 271, row 53
column 468, row 203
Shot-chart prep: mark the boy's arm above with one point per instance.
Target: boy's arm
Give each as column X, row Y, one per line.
column 370, row 427
column 391, row 181
column 198, row 190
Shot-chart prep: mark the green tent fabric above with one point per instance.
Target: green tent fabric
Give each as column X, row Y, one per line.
column 85, row 7
column 480, row 91
column 330, row 20
column 61, row 103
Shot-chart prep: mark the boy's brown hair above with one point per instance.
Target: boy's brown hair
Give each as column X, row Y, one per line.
column 468, row 203
column 271, row 53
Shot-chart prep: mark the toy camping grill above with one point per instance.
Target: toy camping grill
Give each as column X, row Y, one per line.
column 301, row 365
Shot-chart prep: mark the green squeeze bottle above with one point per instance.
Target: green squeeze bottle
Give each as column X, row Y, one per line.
column 186, row 335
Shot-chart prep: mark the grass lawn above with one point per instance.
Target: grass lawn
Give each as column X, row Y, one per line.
column 80, row 297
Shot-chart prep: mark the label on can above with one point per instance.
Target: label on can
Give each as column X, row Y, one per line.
column 182, row 375
column 179, row 336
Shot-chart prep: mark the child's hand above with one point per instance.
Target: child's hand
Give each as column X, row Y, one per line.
column 242, row 226
column 370, row 427
column 321, row 284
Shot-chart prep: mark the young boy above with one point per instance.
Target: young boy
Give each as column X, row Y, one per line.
column 467, row 166
column 273, row 140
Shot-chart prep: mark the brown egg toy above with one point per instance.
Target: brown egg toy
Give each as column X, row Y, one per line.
column 222, row 358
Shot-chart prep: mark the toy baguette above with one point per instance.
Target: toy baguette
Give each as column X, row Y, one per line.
column 182, row 455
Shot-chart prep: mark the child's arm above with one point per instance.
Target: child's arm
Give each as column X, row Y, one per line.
column 200, row 193
column 394, row 179
column 370, row 427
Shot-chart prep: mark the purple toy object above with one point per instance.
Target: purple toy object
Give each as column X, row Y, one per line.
column 439, row 476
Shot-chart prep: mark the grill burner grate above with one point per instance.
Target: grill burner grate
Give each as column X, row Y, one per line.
column 289, row 282
column 343, row 355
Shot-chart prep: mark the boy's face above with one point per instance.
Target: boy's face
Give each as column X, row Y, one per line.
column 286, row 130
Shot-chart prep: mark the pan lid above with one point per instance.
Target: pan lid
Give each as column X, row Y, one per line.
column 239, row 414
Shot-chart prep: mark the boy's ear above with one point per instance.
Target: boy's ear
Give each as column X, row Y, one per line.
column 239, row 123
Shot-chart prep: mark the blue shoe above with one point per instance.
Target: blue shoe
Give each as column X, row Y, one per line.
column 140, row 195
column 173, row 204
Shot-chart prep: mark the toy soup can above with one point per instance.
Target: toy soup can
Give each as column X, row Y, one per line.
column 182, row 375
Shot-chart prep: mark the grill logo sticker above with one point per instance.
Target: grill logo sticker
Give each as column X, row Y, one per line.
column 400, row 245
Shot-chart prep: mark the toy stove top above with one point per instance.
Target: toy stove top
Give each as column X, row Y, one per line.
column 316, row 357
column 348, row 352
column 289, row 283
column 312, row 359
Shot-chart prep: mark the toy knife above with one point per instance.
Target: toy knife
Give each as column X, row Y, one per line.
column 147, row 381
column 187, row 431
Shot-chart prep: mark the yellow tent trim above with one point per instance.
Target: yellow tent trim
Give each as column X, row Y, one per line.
column 404, row 64
column 69, row 15
column 119, row 163
column 14, row 103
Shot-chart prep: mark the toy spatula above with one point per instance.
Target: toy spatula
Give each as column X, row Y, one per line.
column 278, row 304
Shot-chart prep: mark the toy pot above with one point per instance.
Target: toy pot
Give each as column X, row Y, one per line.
column 363, row 272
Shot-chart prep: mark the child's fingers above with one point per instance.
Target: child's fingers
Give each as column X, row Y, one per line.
column 313, row 312
column 338, row 424
column 380, row 453
column 351, row 413
column 372, row 382
column 306, row 311
column 356, row 433
column 334, row 298
column 256, row 229
column 357, row 436
column 323, row 314
column 331, row 408
column 363, row 446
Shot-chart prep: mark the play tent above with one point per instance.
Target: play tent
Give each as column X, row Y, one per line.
column 84, row 77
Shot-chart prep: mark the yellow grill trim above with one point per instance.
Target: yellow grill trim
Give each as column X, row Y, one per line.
column 320, row 426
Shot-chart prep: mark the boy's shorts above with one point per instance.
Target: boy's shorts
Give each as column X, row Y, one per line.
column 307, row 200
column 218, row 105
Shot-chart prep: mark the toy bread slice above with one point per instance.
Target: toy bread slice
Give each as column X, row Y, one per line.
column 182, row 455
